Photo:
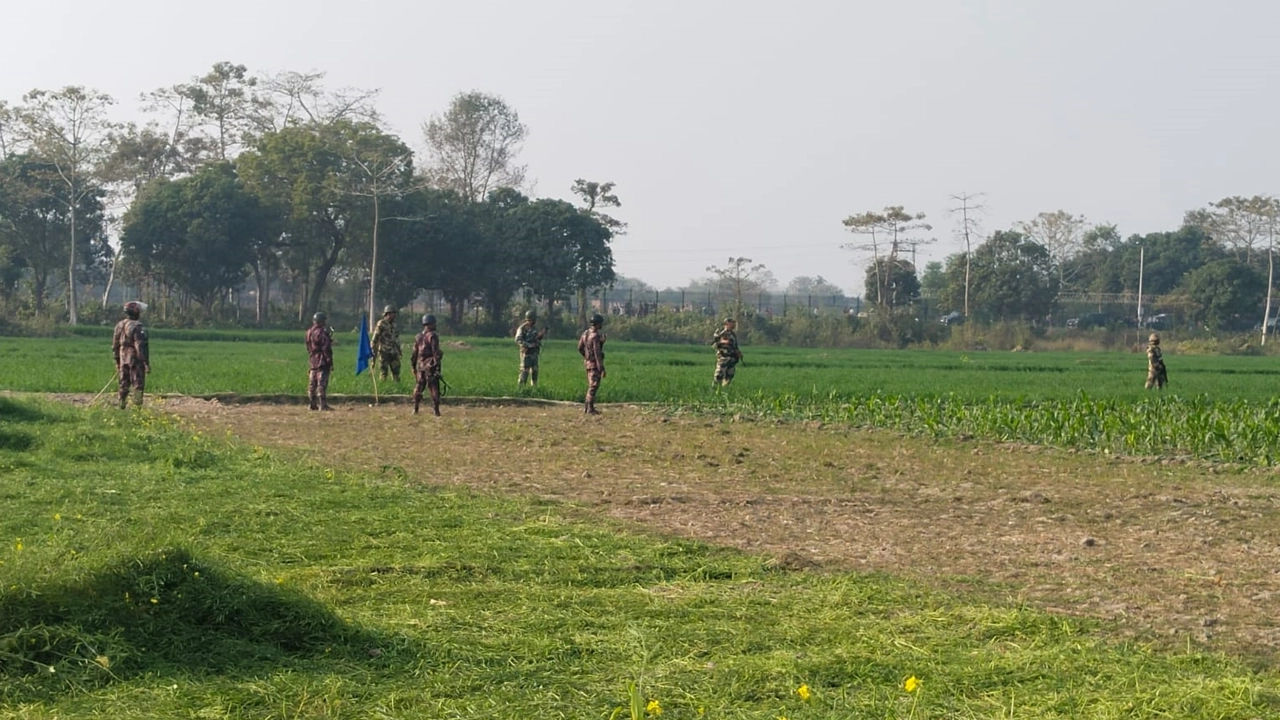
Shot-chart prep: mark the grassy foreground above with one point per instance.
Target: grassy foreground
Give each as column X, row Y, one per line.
column 147, row 570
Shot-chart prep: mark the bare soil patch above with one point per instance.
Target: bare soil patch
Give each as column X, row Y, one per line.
column 1167, row 550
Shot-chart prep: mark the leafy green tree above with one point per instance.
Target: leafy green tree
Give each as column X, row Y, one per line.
column 595, row 195
column 431, row 240
column 1012, row 278
column 307, row 176
column 36, row 218
column 896, row 281
column 740, row 277
column 819, row 286
column 1226, row 294
column 565, row 250
column 474, row 144
column 1062, row 234
column 934, row 280
column 198, row 232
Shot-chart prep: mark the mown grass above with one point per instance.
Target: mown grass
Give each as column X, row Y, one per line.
column 148, row 570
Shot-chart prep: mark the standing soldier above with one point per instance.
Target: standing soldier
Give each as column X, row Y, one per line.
column 529, row 338
column 320, row 347
column 727, row 353
column 386, row 343
column 591, row 348
column 426, row 364
column 1157, row 376
column 132, row 354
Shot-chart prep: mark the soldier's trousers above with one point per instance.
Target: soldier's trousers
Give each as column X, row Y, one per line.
column 430, row 381
column 528, row 369
column 389, row 363
column 1157, row 377
column 724, row 370
column 132, row 375
column 593, row 385
column 318, row 385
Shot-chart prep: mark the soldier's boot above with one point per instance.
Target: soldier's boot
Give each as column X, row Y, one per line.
column 533, row 378
column 417, row 402
column 524, row 375
column 137, row 398
column 311, row 401
column 435, row 402
column 324, row 402
column 591, row 408
column 124, row 399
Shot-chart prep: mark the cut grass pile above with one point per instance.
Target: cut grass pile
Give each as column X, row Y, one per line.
column 149, row 570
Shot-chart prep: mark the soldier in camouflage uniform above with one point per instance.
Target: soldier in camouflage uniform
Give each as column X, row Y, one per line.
column 426, row 359
column 386, row 344
column 1157, row 376
column 529, row 338
column 727, row 353
column 320, row 348
column 591, row 348
column 132, row 353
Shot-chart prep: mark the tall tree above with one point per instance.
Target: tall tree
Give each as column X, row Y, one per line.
column 1013, row 279
column 967, row 229
column 596, row 195
column 474, row 144
column 738, row 278
column 35, row 217
column 888, row 232
column 306, row 174
column 1059, row 232
column 295, row 98
column 1239, row 224
column 70, row 129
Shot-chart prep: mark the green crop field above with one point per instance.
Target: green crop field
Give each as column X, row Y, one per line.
column 274, row 362
column 1217, row 408
column 149, row 570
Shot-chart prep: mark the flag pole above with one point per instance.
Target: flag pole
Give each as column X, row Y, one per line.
column 373, row 367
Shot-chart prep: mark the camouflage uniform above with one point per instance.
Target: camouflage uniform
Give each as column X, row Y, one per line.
column 1157, row 376
column 591, row 348
column 727, row 355
column 529, row 338
column 133, row 358
column 320, row 347
column 426, row 367
column 386, row 346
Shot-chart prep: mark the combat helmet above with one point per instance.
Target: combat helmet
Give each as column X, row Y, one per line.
column 597, row 319
column 320, row 317
column 428, row 319
column 531, row 315
column 729, row 320
column 1154, row 339
column 133, row 309
column 389, row 310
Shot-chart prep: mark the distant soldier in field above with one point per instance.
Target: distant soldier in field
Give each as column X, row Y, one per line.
column 425, row 360
column 386, row 344
column 591, row 348
column 727, row 353
column 529, row 338
column 1157, row 376
column 320, row 348
column 132, row 353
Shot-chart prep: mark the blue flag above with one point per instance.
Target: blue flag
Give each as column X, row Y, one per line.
column 364, row 353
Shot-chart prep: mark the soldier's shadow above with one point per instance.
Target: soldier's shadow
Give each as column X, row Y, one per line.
column 163, row 613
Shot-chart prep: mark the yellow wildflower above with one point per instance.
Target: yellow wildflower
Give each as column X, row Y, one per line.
column 103, row 661
column 155, row 601
column 18, row 547
column 803, row 692
column 654, row 708
column 912, row 684
column 57, row 516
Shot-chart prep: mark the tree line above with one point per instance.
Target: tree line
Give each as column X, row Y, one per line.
column 279, row 181
column 1218, row 267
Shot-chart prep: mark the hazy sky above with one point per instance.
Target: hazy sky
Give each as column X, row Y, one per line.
column 746, row 127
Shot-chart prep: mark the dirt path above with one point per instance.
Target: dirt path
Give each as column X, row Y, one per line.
column 1166, row 550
